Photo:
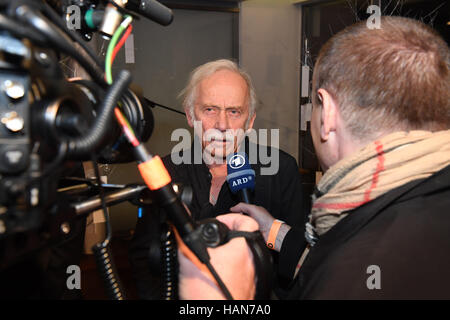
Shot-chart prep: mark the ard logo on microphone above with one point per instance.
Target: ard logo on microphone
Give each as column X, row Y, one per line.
column 237, row 161
column 240, row 174
column 241, row 181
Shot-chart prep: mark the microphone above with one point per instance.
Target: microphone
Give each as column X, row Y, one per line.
column 240, row 176
column 152, row 10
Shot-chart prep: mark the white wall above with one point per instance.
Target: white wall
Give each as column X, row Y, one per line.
column 269, row 50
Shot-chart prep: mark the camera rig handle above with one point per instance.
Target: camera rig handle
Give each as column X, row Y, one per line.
column 214, row 233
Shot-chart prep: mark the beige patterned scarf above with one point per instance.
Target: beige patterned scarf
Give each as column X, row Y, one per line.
column 381, row 166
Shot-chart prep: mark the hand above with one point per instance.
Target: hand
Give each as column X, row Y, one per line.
column 261, row 215
column 233, row 262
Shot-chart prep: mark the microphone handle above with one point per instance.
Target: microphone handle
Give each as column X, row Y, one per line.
column 245, row 196
column 153, row 10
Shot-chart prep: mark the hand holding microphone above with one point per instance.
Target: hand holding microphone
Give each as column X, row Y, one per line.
column 261, row 215
column 241, row 180
column 273, row 230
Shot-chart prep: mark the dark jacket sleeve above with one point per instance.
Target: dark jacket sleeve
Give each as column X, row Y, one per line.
column 294, row 203
column 290, row 205
column 293, row 246
column 295, row 208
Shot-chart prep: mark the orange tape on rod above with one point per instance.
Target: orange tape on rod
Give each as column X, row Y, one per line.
column 154, row 173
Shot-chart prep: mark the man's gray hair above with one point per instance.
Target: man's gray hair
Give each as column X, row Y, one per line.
column 189, row 93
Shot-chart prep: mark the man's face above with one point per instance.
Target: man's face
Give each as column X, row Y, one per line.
column 222, row 106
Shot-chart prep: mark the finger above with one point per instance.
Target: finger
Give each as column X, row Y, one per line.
column 238, row 222
column 242, row 207
column 248, row 209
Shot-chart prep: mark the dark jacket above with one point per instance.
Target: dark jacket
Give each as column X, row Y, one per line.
column 281, row 194
column 398, row 245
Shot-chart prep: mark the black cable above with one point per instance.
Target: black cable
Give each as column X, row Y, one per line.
column 102, row 200
column 102, row 251
column 60, row 40
column 169, row 259
column 52, row 15
column 21, row 31
column 93, row 138
column 154, row 104
column 62, row 151
column 219, row 281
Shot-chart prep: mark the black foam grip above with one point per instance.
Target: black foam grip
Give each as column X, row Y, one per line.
column 152, row 10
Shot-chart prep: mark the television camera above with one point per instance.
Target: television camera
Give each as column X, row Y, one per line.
column 50, row 124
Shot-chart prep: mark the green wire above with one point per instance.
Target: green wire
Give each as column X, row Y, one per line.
column 111, row 46
column 126, row 120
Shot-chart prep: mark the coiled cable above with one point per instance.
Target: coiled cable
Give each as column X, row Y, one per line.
column 169, row 264
column 103, row 255
column 108, row 271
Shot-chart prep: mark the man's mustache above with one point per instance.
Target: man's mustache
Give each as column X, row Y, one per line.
column 212, row 135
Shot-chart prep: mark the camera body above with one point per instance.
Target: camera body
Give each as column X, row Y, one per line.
column 49, row 124
column 41, row 113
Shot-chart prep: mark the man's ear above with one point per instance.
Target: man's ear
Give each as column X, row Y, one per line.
column 190, row 121
column 252, row 121
column 329, row 113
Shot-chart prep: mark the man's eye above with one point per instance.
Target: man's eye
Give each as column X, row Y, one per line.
column 234, row 112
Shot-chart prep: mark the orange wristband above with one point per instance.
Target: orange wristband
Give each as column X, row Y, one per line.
column 273, row 233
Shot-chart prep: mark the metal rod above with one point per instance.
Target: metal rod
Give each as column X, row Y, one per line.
column 110, row 199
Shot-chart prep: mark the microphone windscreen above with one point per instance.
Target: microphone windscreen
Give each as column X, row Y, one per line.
column 240, row 174
column 152, row 9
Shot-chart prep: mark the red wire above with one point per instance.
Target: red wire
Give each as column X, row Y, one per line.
column 125, row 127
column 121, row 42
